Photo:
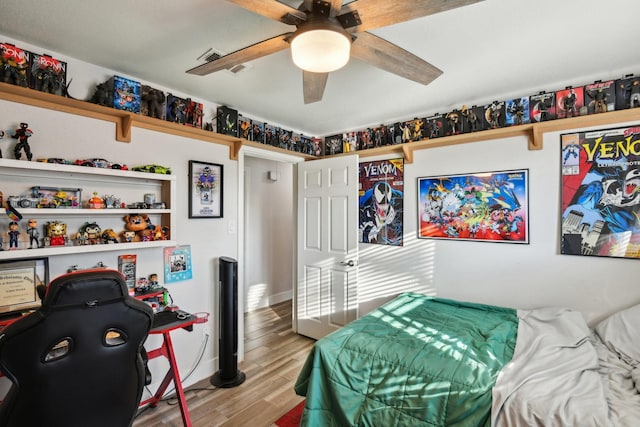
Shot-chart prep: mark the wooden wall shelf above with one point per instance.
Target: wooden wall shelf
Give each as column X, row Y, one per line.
column 534, row 133
column 124, row 121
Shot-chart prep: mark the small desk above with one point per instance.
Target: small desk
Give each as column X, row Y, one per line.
column 166, row 350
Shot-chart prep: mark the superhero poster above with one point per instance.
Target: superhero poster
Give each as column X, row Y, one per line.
column 381, row 200
column 489, row 207
column 601, row 193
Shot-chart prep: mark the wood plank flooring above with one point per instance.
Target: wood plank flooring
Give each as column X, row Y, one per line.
column 274, row 355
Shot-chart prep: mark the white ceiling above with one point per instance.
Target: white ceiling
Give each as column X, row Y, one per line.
column 494, row 49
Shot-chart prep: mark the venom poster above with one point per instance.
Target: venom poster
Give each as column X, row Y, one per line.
column 601, row 192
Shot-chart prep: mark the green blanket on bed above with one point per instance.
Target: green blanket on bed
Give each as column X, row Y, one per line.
column 415, row 361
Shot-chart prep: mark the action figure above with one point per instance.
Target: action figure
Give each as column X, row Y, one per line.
column 56, row 234
column 154, row 100
column 471, row 118
column 22, row 135
column 632, row 91
column 569, row 103
column 453, row 120
column 101, row 95
column 493, row 115
column 1, row 137
column 34, row 235
column 14, row 64
column 599, row 101
column 406, row 132
column 434, row 127
column 417, row 129
column 14, row 233
column 516, row 109
column 153, row 280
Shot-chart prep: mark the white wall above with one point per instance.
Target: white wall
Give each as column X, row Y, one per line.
column 269, row 233
column 522, row 276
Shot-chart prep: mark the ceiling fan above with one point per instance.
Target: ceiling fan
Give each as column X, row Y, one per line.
column 328, row 34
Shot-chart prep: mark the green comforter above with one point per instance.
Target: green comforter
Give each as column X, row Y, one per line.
column 415, row 361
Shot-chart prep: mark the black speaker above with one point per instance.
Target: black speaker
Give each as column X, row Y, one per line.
column 228, row 375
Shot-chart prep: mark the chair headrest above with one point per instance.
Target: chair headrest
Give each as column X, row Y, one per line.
column 84, row 286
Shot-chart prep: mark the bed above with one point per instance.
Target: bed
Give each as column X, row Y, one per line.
column 425, row 361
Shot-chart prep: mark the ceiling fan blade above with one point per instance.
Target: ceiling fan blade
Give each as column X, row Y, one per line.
column 381, row 13
column 271, row 9
column 255, row 51
column 313, row 86
column 389, row 57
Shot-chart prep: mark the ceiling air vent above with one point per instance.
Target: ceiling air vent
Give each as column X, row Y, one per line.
column 212, row 54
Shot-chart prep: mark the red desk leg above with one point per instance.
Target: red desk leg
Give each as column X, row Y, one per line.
column 172, row 374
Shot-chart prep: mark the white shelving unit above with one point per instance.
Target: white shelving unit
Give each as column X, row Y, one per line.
column 18, row 176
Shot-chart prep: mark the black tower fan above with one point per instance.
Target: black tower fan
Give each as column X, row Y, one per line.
column 228, row 375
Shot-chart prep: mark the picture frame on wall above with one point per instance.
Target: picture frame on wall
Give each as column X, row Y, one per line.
column 177, row 263
column 205, row 189
column 19, row 281
column 381, row 202
column 487, row 206
column 600, row 197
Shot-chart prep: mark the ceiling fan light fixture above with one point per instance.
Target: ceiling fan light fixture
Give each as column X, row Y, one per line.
column 320, row 48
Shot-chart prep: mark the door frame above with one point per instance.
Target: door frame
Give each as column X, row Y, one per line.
column 267, row 155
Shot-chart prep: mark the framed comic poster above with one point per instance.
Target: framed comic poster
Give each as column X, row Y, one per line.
column 486, row 207
column 177, row 263
column 205, row 190
column 381, row 201
column 601, row 192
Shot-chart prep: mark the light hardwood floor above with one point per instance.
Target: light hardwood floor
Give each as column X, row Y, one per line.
column 274, row 356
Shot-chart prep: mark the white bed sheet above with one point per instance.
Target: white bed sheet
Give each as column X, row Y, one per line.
column 562, row 375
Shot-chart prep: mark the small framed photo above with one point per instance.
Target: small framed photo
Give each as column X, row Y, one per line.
column 205, row 189
column 177, row 263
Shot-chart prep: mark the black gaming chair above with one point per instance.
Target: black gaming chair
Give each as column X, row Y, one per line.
column 76, row 361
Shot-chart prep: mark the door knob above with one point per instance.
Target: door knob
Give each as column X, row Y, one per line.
column 350, row 263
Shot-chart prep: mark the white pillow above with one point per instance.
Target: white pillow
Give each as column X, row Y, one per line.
column 620, row 332
column 635, row 375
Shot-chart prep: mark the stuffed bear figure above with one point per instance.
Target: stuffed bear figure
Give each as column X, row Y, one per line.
column 140, row 224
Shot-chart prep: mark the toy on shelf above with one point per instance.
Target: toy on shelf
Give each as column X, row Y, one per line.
column 34, row 234
column 90, row 234
column 112, row 202
column 517, row 111
column 14, row 64
column 14, row 235
column 542, row 107
column 22, row 134
column 153, row 280
column 128, row 236
column 599, row 97
column 152, row 169
column 140, row 224
column 109, row 236
column 628, row 92
column 56, row 234
column 49, row 75
column 54, row 197
column 95, row 202
column 152, row 102
column 100, row 163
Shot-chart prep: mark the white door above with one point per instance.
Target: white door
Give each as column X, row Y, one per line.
column 327, row 245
